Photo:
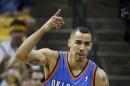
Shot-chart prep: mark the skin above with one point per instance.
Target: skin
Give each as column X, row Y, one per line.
column 79, row 44
column 11, row 79
column 38, row 76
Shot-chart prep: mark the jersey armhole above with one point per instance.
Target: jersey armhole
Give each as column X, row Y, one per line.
column 94, row 75
column 52, row 73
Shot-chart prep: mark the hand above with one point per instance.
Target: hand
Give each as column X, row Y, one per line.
column 55, row 21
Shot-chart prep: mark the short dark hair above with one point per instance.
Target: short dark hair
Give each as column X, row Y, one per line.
column 86, row 29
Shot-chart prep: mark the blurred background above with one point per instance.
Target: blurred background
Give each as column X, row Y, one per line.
column 109, row 21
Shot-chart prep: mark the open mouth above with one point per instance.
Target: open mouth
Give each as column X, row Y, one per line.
column 81, row 54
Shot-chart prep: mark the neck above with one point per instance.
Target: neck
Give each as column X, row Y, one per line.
column 76, row 65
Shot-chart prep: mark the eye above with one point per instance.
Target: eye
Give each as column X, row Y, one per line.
column 78, row 42
column 87, row 43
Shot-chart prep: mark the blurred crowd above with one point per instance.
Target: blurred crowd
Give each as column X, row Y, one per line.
column 125, row 15
column 16, row 23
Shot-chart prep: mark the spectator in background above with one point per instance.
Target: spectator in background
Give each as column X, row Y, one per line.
column 13, row 7
column 7, row 7
column 79, row 8
column 36, row 77
column 24, row 5
column 11, row 78
column 5, row 27
column 30, row 25
column 11, row 10
column 8, row 47
column 23, row 69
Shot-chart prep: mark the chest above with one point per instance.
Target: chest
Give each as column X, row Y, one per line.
column 76, row 72
column 63, row 75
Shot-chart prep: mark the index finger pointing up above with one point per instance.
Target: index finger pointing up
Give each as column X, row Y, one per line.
column 57, row 13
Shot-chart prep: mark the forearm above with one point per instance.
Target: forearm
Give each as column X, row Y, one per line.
column 26, row 47
column 30, row 42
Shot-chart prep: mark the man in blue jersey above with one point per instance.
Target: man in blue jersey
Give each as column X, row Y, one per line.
column 70, row 68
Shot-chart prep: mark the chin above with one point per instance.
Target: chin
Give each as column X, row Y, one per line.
column 79, row 60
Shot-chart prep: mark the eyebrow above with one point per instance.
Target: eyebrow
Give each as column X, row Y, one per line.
column 77, row 40
column 85, row 41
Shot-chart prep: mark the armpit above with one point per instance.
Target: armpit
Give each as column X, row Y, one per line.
column 33, row 61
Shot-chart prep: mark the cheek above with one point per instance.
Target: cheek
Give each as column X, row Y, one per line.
column 88, row 48
column 74, row 48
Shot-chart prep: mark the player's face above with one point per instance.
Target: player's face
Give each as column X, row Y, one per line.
column 80, row 44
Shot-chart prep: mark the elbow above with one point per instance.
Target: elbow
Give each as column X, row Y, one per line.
column 19, row 56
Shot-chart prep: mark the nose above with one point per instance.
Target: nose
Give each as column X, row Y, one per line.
column 82, row 48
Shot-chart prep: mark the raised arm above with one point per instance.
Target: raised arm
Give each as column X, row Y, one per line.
column 101, row 78
column 25, row 50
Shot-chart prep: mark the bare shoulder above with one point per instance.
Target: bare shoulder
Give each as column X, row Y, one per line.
column 49, row 53
column 42, row 56
column 101, row 78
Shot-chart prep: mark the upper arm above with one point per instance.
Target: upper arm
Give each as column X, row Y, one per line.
column 101, row 78
column 41, row 56
column 35, row 57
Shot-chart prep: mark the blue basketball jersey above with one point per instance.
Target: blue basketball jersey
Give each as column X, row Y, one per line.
column 63, row 76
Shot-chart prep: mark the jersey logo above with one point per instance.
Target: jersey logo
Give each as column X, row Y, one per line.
column 86, row 78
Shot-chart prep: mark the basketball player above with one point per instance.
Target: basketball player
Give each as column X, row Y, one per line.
column 70, row 68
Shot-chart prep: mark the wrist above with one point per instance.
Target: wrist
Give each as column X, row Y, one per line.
column 46, row 27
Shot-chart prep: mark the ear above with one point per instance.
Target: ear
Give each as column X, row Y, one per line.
column 90, row 47
column 69, row 42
